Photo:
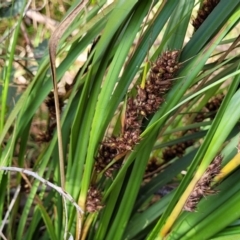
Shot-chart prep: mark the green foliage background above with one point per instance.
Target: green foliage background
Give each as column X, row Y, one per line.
column 126, row 43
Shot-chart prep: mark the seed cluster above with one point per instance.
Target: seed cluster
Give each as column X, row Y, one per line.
column 152, row 167
column 50, row 103
column 203, row 187
column 214, row 104
column 94, row 200
column 159, row 82
column 176, row 150
column 206, row 8
column 153, row 164
column 209, row 111
column 47, row 135
column 146, row 102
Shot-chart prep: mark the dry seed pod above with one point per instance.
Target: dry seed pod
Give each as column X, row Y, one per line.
column 214, row 104
column 152, row 166
column 177, row 150
column 48, row 134
column 51, row 105
column 203, row 187
column 206, row 8
column 145, row 103
column 94, row 199
column 158, row 83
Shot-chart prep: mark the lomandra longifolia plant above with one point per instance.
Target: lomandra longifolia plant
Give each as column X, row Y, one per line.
column 143, row 142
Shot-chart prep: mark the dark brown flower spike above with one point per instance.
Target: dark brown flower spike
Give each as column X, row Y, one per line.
column 206, row 8
column 209, row 111
column 203, row 186
column 94, row 200
column 147, row 101
column 51, row 105
column 48, row 134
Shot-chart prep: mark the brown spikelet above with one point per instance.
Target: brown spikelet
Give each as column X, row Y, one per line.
column 214, row 104
column 206, row 8
column 51, row 105
column 107, row 152
column 203, row 187
column 176, row 150
column 200, row 117
column 44, row 137
column 94, row 200
column 158, row 84
column 152, row 168
column 48, row 134
column 153, row 165
column 146, row 102
column 209, row 111
column 113, row 147
column 132, row 120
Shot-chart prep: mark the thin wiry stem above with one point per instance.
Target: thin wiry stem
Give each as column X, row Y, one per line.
column 66, row 217
column 62, row 192
column 10, row 209
column 2, row 236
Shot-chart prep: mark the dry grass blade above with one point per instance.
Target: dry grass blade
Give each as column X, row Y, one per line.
column 53, row 42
